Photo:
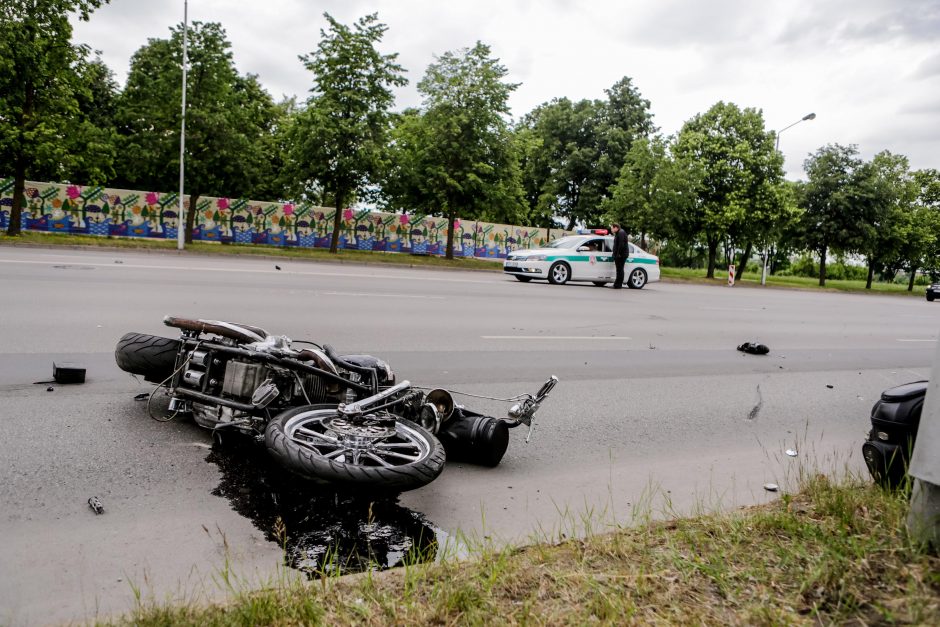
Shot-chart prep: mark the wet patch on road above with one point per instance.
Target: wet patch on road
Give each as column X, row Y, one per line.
column 322, row 532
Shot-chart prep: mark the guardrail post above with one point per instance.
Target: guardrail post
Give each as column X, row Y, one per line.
column 923, row 520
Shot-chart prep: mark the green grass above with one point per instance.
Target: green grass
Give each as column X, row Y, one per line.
column 355, row 256
column 753, row 279
column 830, row 553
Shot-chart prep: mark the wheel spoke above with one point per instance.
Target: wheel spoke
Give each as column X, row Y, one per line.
column 393, row 454
column 318, row 435
column 336, row 453
column 390, row 445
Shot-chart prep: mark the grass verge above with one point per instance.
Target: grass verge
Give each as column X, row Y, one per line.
column 831, row 553
column 753, row 279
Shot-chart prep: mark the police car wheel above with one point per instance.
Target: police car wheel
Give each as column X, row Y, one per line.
column 524, row 279
column 930, row 296
column 559, row 273
column 637, row 279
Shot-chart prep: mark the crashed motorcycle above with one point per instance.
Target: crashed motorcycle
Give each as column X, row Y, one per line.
column 341, row 420
column 895, row 418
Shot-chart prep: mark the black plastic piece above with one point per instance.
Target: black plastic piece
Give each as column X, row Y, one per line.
column 68, row 372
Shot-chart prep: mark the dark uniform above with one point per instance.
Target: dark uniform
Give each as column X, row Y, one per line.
column 621, row 252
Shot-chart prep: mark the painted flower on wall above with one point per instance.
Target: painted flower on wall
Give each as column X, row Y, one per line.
column 152, row 198
column 347, row 215
column 404, row 219
column 222, row 203
column 73, row 192
column 288, row 209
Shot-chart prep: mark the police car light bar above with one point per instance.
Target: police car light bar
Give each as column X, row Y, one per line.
column 592, row 231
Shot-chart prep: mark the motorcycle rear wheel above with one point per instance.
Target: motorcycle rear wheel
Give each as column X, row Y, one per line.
column 150, row 356
column 315, row 442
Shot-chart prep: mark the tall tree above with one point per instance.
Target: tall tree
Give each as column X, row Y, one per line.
column 562, row 171
column 887, row 192
column 738, row 170
column 39, row 86
column 922, row 248
column 469, row 155
column 340, row 138
column 832, row 214
column 227, row 118
column 624, row 118
column 640, row 200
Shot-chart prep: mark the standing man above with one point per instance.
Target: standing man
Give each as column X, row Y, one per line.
column 621, row 252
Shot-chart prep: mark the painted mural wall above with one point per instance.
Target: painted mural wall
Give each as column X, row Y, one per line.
column 125, row 213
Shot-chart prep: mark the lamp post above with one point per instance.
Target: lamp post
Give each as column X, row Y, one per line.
column 181, row 214
column 808, row 116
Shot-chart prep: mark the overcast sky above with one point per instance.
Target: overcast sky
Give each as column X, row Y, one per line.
column 869, row 69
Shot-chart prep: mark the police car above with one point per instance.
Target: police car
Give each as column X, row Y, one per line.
column 585, row 257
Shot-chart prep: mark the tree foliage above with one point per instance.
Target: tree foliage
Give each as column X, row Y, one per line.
column 735, row 170
column 832, row 212
column 339, row 139
column 228, row 119
column 41, row 72
column 458, row 148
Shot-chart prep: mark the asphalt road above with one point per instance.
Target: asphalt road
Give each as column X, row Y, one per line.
column 656, row 411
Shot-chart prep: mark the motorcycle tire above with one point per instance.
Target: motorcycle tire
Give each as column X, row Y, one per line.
column 150, row 356
column 314, row 457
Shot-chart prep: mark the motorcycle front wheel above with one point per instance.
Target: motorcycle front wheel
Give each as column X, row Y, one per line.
column 150, row 356
column 319, row 444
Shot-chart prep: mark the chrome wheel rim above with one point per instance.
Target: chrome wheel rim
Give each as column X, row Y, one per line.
column 637, row 278
column 560, row 273
column 367, row 442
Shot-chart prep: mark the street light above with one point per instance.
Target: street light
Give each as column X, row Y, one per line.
column 808, row 116
column 180, row 215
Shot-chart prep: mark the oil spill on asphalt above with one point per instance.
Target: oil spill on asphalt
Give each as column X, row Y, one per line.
column 322, row 532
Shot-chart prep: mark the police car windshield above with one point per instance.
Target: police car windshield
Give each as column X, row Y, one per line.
column 565, row 242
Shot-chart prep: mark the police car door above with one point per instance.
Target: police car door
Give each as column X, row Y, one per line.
column 605, row 260
column 590, row 259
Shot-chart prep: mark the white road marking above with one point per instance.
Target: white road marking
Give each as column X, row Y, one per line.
column 371, row 294
column 731, row 309
column 551, row 337
column 905, row 340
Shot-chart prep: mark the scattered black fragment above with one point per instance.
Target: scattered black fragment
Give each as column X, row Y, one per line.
column 276, row 267
column 118, row 261
column 754, row 348
column 829, row 386
column 95, row 504
column 142, row 396
column 50, row 389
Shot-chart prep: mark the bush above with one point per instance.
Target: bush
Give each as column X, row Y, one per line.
column 837, row 270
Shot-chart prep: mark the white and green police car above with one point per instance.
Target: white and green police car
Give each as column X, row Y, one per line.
column 581, row 258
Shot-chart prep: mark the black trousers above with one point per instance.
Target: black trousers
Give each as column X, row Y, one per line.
column 619, row 263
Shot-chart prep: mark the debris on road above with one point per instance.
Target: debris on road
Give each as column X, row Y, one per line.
column 830, row 386
column 95, row 504
column 791, row 452
column 754, row 348
column 276, row 267
column 50, row 389
column 68, row 372
column 142, row 396
column 771, row 487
